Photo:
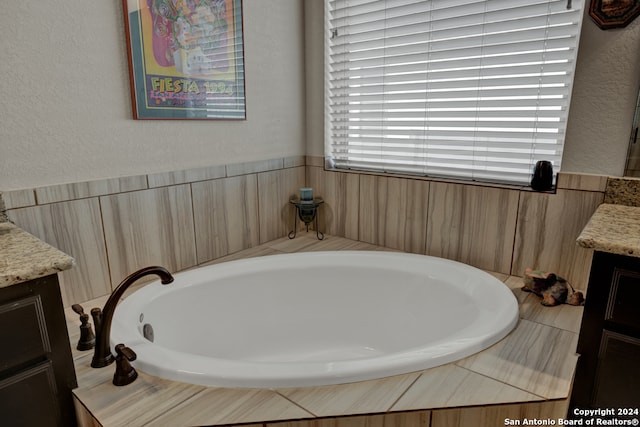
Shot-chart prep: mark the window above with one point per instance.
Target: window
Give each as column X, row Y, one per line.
column 471, row 89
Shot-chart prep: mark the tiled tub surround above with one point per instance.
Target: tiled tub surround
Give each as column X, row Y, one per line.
column 513, row 229
column 176, row 219
column 185, row 218
column 528, row 374
column 490, row 227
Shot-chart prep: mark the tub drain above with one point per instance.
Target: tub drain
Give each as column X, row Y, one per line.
column 147, row 331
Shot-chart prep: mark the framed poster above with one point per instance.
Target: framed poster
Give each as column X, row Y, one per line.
column 186, row 58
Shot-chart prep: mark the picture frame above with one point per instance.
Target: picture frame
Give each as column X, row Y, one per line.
column 186, row 59
column 614, row 13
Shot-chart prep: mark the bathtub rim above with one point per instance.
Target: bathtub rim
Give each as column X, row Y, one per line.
column 283, row 376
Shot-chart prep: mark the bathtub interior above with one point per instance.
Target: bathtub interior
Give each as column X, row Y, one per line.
column 314, row 319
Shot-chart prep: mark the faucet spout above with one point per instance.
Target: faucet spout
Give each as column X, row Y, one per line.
column 102, row 354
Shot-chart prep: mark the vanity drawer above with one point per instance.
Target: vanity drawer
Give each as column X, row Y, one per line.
column 31, row 396
column 24, row 334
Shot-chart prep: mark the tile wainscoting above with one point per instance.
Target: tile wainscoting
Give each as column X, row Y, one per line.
column 185, row 218
column 490, row 227
column 177, row 219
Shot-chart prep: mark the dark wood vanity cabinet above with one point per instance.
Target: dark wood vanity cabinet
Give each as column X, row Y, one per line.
column 608, row 371
column 36, row 366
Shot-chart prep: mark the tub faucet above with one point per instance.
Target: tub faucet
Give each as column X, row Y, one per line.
column 102, row 355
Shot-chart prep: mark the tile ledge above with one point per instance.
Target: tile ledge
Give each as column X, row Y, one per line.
column 63, row 192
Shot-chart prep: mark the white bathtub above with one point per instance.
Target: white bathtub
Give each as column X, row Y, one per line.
column 316, row 318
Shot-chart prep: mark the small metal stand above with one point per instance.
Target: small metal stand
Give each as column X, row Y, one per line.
column 307, row 211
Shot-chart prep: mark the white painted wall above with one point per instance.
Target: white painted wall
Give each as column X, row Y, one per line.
column 66, row 107
column 604, row 96
column 605, row 91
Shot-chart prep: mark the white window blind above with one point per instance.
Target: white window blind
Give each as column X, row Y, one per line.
column 472, row 89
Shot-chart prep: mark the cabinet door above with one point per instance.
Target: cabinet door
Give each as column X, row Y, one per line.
column 36, row 367
column 618, row 375
column 28, row 398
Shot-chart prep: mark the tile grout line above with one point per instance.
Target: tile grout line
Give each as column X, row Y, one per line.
column 555, row 329
column 538, row 322
column 193, row 224
column 277, row 391
column 104, row 237
column 515, row 234
column 395, row 402
column 502, row 382
column 191, row 397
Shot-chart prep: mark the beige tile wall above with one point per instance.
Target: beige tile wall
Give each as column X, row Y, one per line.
column 341, row 194
column 393, row 212
column 149, row 227
column 177, row 219
column 480, row 416
column 185, row 218
column 276, row 188
column 495, row 228
column 74, row 227
column 411, row 419
column 226, row 216
column 548, row 226
column 489, row 416
column 472, row 224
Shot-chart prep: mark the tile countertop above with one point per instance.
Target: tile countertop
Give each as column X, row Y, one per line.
column 614, row 229
column 534, row 363
column 25, row 257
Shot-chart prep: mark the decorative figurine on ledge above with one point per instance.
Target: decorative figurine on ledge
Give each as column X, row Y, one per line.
column 553, row 289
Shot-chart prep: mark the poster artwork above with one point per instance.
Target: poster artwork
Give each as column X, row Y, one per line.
column 187, row 58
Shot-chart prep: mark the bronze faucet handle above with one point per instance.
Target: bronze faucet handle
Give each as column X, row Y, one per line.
column 125, row 373
column 78, row 309
column 126, row 352
column 87, row 338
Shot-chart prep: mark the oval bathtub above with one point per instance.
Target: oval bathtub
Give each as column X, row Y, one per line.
column 315, row 318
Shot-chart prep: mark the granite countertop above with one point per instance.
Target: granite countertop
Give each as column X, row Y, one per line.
column 614, row 229
column 24, row 257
